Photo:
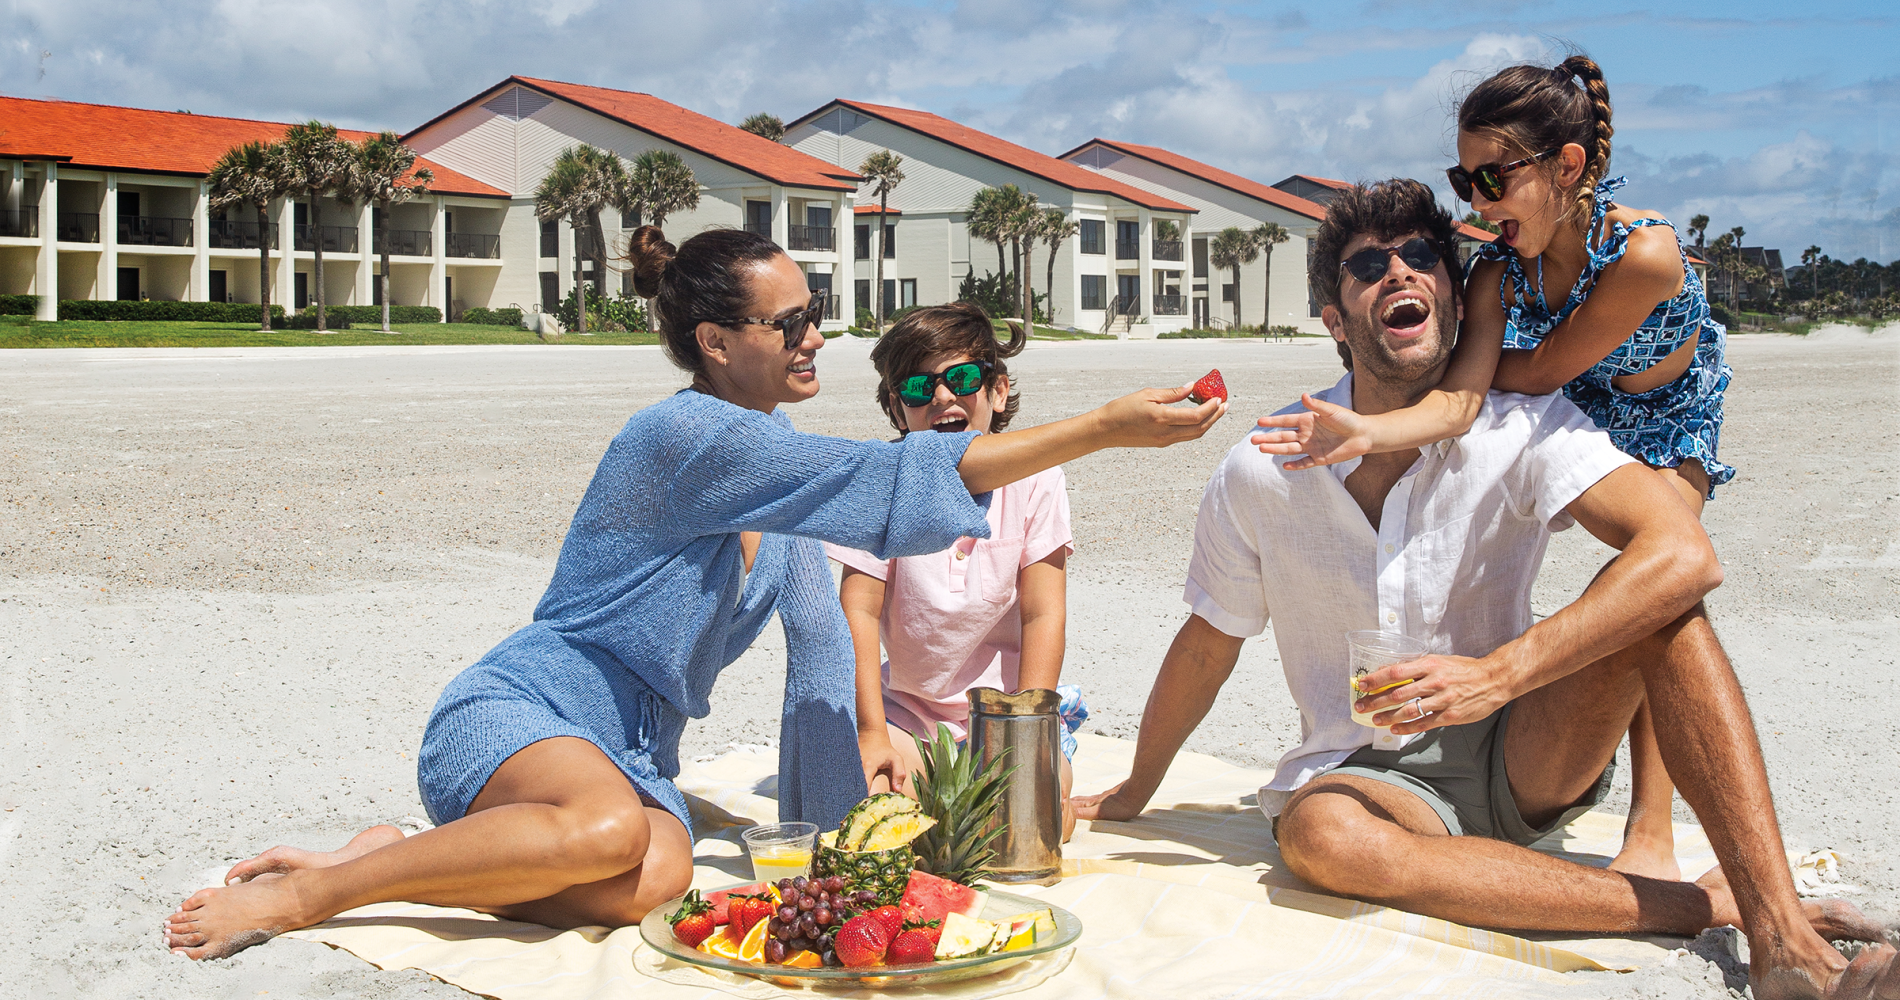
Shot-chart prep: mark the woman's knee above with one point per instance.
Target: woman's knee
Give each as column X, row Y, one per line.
column 611, row 834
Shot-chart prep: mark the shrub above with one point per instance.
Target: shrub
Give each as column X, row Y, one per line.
column 999, row 296
column 198, row 312
column 620, row 313
column 373, row 315
column 1283, row 331
column 858, row 331
column 484, row 316
column 307, row 320
column 1720, row 314
column 866, row 321
column 19, row 305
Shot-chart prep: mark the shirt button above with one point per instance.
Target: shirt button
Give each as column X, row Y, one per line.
column 962, row 555
column 1388, row 548
column 1391, row 618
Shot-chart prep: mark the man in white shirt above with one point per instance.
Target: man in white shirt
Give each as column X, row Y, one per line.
column 1507, row 729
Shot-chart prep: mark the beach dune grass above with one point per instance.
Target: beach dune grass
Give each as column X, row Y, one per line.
column 102, row 333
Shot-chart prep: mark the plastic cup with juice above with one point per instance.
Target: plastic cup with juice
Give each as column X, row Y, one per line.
column 781, row 850
column 1370, row 649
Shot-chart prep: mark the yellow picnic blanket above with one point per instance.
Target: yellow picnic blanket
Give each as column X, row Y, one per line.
column 1189, row 900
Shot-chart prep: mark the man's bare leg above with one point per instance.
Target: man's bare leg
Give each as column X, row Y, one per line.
column 557, row 824
column 1649, row 834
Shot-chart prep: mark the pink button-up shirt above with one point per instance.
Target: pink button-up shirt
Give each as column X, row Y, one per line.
column 951, row 619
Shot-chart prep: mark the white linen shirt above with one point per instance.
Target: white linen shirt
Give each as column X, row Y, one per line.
column 1460, row 540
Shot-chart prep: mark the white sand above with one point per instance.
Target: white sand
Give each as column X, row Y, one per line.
column 235, row 581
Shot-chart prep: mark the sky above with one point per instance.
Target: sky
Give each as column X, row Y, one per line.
column 1777, row 117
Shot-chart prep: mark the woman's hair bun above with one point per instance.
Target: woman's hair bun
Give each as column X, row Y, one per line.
column 648, row 254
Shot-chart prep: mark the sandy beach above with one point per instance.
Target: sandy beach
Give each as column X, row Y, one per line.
column 232, row 583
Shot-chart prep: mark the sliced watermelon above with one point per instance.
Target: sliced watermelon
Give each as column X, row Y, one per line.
column 720, row 898
column 934, row 898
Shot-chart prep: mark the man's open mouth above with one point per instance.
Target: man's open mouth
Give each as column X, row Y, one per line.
column 1405, row 314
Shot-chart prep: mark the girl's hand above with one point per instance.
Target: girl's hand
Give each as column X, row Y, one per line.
column 1327, row 434
column 1146, row 419
column 881, row 761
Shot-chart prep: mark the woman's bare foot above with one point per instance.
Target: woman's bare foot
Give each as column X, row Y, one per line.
column 283, row 860
column 1648, row 855
column 220, row 922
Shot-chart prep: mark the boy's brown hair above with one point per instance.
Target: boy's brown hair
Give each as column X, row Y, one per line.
column 956, row 328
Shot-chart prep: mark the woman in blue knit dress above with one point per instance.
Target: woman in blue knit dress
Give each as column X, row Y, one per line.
column 548, row 763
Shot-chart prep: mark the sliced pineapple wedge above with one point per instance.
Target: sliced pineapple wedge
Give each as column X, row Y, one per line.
column 965, row 937
column 868, row 813
column 895, row 831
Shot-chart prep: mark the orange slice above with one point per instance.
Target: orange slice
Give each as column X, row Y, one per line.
column 722, row 946
column 803, row 960
column 752, row 949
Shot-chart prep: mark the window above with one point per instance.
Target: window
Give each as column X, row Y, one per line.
column 630, row 220
column 1227, row 293
column 219, row 287
column 758, row 217
column 1127, row 240
column 1095, row 287
column 550, row 290
column 818, row 216
column 890, row 297
column 300, row 287
column 890, row 240
column 906, row 292
column 862, row 241
column 1200, row 258
column 550, row 238
column 1092, row 239
column 861, row 293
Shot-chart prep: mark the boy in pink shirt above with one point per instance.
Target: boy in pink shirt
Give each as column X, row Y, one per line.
column 987, row 612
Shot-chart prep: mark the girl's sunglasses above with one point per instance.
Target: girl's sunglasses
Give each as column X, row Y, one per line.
column 1370, row 264
column 793, row 326
column 962, row 380
column 1488, row 180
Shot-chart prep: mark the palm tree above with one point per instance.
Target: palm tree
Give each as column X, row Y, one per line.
column 764, row 124
column 883, row 171
column 1057, row 227
column 1266, row 236
column 252, row 174
column 1476, row 221
column 1698, row 228
column 582, row 180
column 1808, row 258
column 1231, row 248
column 658, row 184
column 382, row 177
column 318, row 163
column 1025, row 228
column 986, row 221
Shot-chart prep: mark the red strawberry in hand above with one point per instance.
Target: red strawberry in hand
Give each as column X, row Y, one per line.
column 1211, row 386
column 911, row 948
column 693, row 921
column 861, row 942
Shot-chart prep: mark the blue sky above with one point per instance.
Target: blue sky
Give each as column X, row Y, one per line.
column 1757, row 116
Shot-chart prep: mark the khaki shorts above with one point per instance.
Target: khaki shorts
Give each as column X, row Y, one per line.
column 1459, row 772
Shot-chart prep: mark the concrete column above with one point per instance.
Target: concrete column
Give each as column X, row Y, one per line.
column 46, row 274
column 108, row 283
column 1187, row 270
column 366, row 255
column 563, row 263
column 1145, row 266
column 781, row 217
column 843, row 287
column 287, row 255
column 201, row 246
column 438, row 261
column 16, row 177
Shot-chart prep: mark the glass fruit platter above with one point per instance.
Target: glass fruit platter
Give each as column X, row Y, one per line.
column 998, row 905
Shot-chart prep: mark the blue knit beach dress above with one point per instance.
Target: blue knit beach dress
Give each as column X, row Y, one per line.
column 650, row 601
column 1664, row 426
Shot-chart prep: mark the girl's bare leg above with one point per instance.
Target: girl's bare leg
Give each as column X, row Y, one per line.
column 558, row 836
column 1649, row 837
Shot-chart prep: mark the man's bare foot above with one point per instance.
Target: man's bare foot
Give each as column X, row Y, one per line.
column 220, row 922
column 1832, row 919
column 283, row 860
column 1648, row 856
column 1873, row 975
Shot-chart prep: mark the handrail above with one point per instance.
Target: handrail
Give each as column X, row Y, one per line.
column 403, row 242
column 1127, row 249
column 78, row 227
column 234, row 234
column 154, row 230
column 1167, row 250
column 23, row 221
column 473, row 245
column 336, row 239
column 811, row 238
column 1167, row 305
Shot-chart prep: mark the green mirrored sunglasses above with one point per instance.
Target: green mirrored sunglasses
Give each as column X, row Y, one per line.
column 962, row 380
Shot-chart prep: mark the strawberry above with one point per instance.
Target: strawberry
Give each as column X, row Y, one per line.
column 1211, row 386
column 693, row 921
column 720, row 899
column 889, row 918
column 861, row 942
column 911, row 948
column 914, row 921
column 744, row 911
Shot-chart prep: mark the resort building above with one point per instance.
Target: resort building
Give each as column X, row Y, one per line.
column 1223, row 199
column 1125, row 270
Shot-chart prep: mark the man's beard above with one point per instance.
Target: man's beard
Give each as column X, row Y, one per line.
column 1373, row 357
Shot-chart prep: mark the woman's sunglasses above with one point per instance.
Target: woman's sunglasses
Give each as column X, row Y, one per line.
column 962, row 380
column 1370, row 264
column 1488, row 180
column 793, row 326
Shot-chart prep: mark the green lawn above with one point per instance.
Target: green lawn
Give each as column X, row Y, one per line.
column 100, row 333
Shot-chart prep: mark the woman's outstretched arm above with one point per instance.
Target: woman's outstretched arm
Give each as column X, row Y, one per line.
column 1144, row 419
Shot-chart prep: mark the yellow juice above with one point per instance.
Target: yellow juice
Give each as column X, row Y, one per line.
column 771, row 864
column 1356, row 694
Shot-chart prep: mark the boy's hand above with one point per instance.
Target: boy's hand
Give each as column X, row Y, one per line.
column 881, row 761
column 1327, row 435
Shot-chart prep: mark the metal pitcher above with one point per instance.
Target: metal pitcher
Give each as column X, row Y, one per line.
column 1026, row 726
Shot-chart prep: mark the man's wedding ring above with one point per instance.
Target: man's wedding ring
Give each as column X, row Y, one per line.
column 1416, row 707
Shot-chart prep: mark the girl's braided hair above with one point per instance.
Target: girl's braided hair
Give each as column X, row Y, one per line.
column 1531, row 109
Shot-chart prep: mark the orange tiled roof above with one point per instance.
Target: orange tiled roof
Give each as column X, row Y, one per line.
column 1212, row 175
column 709, row 137
column 103, row 136
column 872, row 210
column 1327, row 181
column 1472, row 232
column 1009, row 154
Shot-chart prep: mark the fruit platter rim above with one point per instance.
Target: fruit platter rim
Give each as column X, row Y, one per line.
column 658, row 934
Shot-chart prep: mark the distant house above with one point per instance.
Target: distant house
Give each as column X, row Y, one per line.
column 1116, row 273
column 1315, row 189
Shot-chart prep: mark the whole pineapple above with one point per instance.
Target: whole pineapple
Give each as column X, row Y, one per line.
column 961, row 795
column 871, row 847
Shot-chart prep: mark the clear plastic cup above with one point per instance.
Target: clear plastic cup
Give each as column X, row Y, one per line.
column 781, row 850
column 1370, row 649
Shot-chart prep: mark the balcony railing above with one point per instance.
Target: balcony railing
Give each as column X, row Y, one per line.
column 1167, row 249
column 336, row 239
column 1127, row 249
column 813, row 238
column 79, row 227
column 231, row 234
column 403, row 242
column 154, row 231
column 473, row 245
column 24, row 221
column 1168, row 305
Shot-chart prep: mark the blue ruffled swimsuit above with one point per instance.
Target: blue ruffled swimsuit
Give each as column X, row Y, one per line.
column 1667, row 424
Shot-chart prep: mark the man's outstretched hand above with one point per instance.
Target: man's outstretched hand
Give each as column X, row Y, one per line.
column 1114, row 804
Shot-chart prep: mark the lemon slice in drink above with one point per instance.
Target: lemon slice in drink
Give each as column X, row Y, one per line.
column 752, row 949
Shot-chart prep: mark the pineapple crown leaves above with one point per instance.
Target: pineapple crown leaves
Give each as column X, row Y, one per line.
column 691, row 906
column 962, row 795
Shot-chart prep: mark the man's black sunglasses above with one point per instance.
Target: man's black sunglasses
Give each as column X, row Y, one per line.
column 793, row 326
column 1488, row 180
column 962, row 380
column 1370, row 264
